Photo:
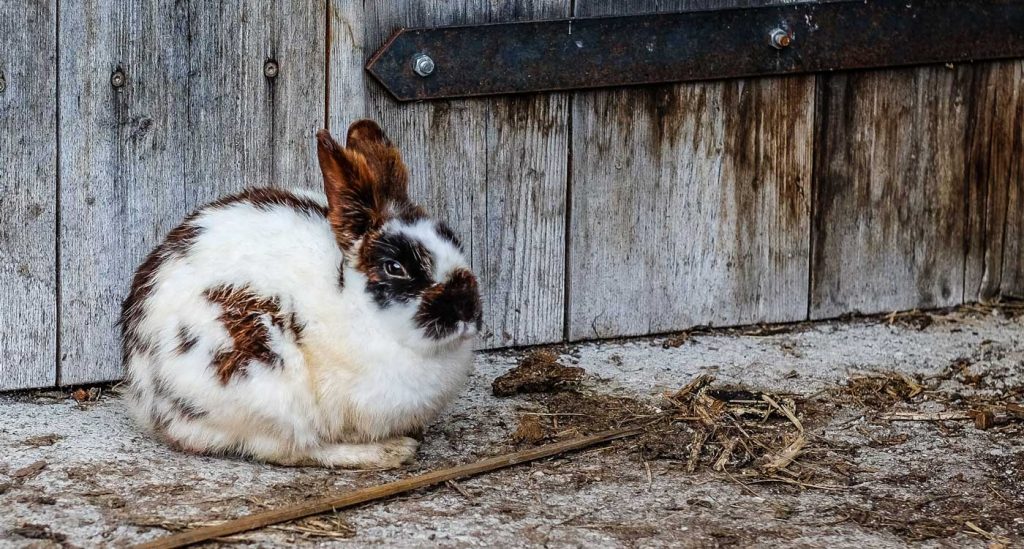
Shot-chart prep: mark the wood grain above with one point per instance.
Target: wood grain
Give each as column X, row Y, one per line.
column 248, row 129
column 28, row 192
column 122, row 164
column 690, row 202
column 1012, row 283
column 197, row 118
column 495, row 169
column 1013, row 255
column 994, row 176
column 348, row 49
column 889, row 219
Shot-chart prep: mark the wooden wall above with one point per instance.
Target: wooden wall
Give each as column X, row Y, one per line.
column 29, row 206
column 586, row 214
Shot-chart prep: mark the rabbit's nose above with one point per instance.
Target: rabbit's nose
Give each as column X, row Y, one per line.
column 463, row 284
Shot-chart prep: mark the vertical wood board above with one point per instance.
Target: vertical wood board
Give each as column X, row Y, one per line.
column 889, row 211
column 248, row 128
column 994, row 176
column 196, row 118
column 28, row 194
column 690, row 202
column 1012, row 280
column 122, row 164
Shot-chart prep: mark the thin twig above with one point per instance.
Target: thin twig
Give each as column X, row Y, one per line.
column 741, row 485
column 458, row 488
column 935, row 416
column 785, row 411
column 650, row 477
column 987, row 535
column 372, row 493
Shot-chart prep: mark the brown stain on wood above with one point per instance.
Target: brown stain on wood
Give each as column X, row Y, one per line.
column 763, row 144
column 665, row 107
column 688, row 190
column 528, row 111
column 994, row 174
column 889, row 213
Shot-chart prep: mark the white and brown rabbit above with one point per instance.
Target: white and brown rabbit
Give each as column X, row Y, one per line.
column 304, row 329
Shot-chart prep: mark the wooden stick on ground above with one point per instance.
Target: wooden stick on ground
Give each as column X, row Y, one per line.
column 332, row 503
column 934, row 416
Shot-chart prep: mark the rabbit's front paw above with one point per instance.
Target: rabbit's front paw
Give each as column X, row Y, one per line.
column 387, row 454
column 398, row 451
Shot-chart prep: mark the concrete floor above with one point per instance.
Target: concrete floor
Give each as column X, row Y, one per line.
column 81, row 474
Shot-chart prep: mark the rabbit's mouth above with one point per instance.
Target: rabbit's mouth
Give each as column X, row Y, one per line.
column 466, row 330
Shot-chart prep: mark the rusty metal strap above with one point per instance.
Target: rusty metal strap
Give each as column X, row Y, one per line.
column 446, row 62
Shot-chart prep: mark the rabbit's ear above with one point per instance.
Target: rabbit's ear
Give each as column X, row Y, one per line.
column 349, row 183
column 365, row 182
column 364, row 132
column 366, row 137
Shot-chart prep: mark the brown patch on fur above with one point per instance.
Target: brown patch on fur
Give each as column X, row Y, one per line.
column 366, row 137
column 364, row 261
column 432, row 293
column 297, row 326
column 443, row 306
column 187, row 410
column 245, row 315
column 177, row 243
column 186, row 340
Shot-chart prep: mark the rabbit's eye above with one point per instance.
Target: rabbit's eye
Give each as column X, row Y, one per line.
column 395, row 269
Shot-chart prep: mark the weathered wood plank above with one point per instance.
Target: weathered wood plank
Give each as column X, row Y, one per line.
column 122, row 164
column 525, row 209
column 28, row 193
column 298, row 36
column 348, row 47
column 994, row 174
column 494, row 169
column 889, row 218
column 1012, row 280
column 1013, row 251
column 690, row 202
column 255, row 96
column 196, row 118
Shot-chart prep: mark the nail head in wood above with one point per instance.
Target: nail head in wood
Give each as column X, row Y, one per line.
column 270, row 69
column 118, row 79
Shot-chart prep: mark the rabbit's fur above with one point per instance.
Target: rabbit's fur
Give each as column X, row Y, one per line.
column 277, row 325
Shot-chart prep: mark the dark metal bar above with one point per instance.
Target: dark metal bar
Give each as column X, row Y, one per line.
column 567, row 54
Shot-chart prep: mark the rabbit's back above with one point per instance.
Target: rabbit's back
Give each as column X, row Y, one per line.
column 213, row 324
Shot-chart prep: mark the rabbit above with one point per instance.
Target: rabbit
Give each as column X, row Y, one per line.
column 300, row 328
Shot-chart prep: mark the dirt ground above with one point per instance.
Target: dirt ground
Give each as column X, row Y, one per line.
column 880, row 432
